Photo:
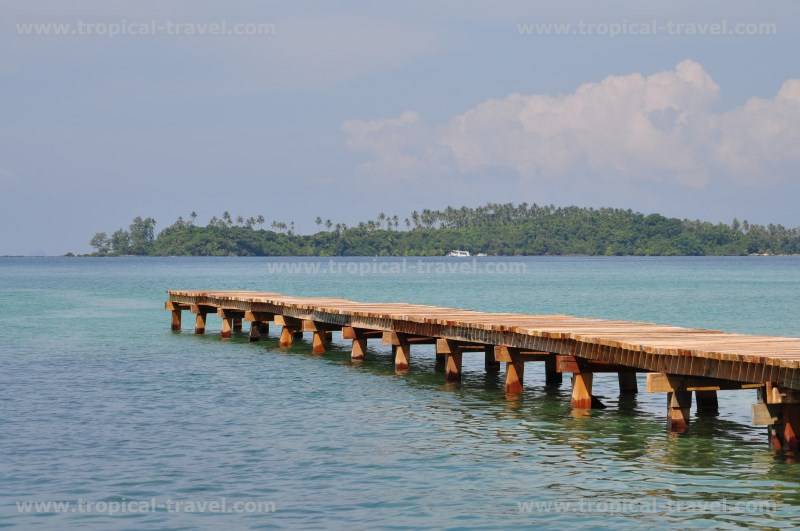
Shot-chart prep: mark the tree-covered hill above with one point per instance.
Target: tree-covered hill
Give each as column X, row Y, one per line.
column 494, row 229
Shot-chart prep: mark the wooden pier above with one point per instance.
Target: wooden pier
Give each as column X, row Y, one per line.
column 679, row 362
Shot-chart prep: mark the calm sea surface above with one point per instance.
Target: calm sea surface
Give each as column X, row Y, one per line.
column 100, row 404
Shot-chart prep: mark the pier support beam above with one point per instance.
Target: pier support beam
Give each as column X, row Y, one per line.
column 227, row 328
column 679, row 395
column 679, row 407
column 401, row 347
column 176, row 320
column 552, row 378
column 229, row 318
column 259, row 324
column 318, row 343
column 291, row 329
column 515, row 368
column 627, row 382
column 200, row 312
column 255, row 333
column 780, row 411
column 452, row 366
column 321, row 334
column 490, row 364
column 402, row 356
column 787, row 431
column 582, row 378
column 287, row 337
column 237, row 324
column 582, row 390
column 358, row 351
column 451, row 357
column 258, row 330
column 359, row 336
column 176, row 310
column 200, row 323
column 707, row 403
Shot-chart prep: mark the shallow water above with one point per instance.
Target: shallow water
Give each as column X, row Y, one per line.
column 101, row 403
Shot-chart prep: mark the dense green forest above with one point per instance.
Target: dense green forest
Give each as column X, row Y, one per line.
column 494, row 229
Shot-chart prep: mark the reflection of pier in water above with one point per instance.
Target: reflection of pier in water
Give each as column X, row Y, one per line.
column 681, row 362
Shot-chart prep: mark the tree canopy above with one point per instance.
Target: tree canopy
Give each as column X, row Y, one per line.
column 494, row 229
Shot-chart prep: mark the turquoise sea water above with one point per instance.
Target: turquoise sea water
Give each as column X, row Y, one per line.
column 101, row 404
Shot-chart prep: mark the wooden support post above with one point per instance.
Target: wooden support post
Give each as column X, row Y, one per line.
column 237, row 324
column 258, row 330
column 627, row 382
column 582, row 390
column 287, row 337
column 515, row 368
column 318, row 341
column 255, row 333
column 452, row 366
column 321, row 334
column 784, row 416
column 789, row 429
column 200, row 312
column 359, row 337
column 176, row 320
column 229, row 318
column 440, row 363
column 402, row 356
column 679, row 407
column 707, row 403
column 552, row 377
column 292, row 329
column 359, row 351
column 175, row 308
column 451, row 354
column 227, row 327
column 401, row 347
column 200, row 323
column 490, row 363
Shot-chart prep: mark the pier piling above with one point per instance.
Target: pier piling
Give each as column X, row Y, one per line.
column 677, row 361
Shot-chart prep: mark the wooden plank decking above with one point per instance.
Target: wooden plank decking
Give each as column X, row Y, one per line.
column 687, row 358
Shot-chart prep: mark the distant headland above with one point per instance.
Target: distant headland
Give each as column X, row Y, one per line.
column 492, row 229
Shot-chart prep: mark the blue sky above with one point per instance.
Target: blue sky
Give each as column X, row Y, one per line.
column 348, row 109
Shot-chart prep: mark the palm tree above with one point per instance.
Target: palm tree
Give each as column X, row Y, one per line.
column 415, row 218
column 226, row 217
column 328, row 224
column 260, row 220
column 318, row 221
column 193, row 215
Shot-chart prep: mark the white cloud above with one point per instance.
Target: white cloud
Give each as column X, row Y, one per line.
column 400, row 147
column 761, row 139
column 630, row 128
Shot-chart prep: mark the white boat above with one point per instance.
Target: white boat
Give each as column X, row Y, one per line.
column 459, row 253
